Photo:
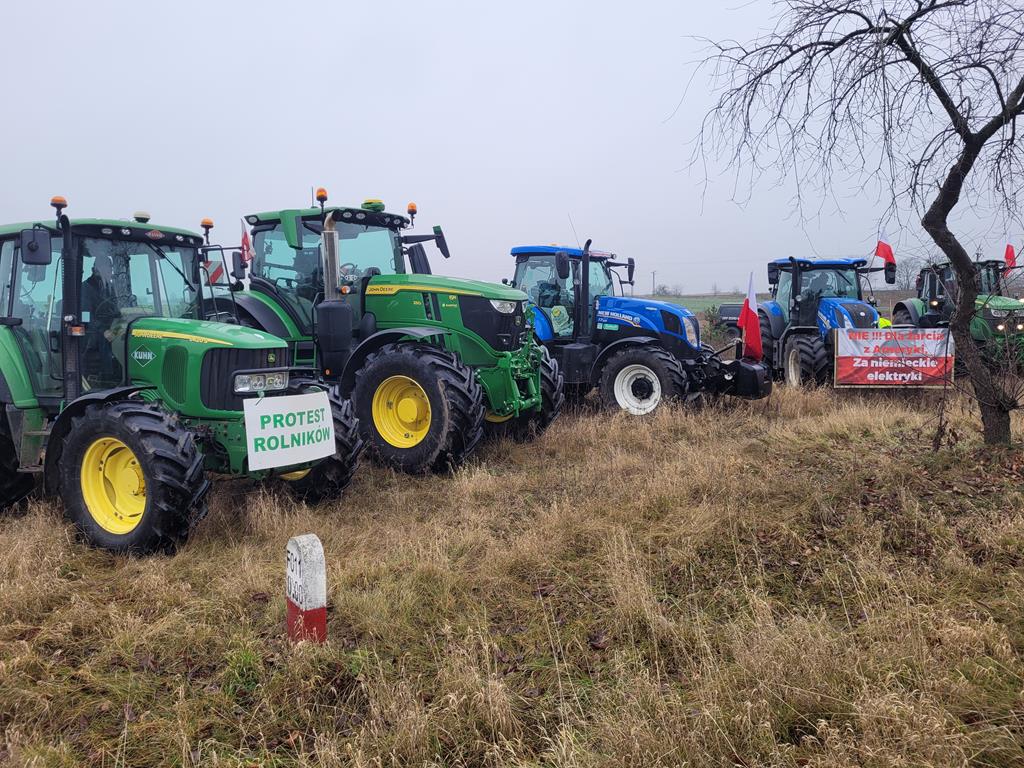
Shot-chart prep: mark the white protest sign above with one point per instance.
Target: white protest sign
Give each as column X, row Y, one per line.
column 292, row 429
column 893, row 357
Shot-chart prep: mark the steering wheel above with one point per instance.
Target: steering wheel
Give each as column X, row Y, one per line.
column 352, row 267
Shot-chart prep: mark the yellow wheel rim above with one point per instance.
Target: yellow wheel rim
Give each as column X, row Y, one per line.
column 494, row 418
column 113, row 485
column 401, row 412
column 296, row 475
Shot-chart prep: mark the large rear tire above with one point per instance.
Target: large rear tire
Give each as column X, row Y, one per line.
column 532, row 424
column 132, row 478
column 420, row 408
column 14, row 485
column 641, row 378
column 330, row 477
column 807, row 361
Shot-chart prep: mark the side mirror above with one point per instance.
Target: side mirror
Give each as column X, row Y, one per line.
column 890, row 273
column 562, row 265
column 237, row 265
column 773, row 274
column 630, row 269
column 35, row 247
column 442, row 244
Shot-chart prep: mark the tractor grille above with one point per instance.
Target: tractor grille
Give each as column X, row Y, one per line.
column 863, row 315
column 503, row 332
column 217, row 380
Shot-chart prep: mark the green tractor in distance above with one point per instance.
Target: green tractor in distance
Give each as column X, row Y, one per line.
column 119, row 398
column 998, row 323
column 428, row 361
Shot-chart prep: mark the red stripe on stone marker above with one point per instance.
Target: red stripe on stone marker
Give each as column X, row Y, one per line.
column 306, row 589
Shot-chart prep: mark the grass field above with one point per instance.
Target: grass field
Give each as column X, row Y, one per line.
column 793, row 582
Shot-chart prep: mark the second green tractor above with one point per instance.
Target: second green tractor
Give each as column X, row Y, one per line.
column 430, row 363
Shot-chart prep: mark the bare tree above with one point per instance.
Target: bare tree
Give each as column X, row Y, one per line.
column 919, row 97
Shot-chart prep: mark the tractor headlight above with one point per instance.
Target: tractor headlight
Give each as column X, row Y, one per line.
column 1000, row 327
column 692, row 330
column 505, row 307
column 933, row 303
column 261, row 382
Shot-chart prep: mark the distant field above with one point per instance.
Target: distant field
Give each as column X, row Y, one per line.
column 698, row 303
column 798, row 581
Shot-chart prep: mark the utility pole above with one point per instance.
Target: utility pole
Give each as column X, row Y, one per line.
column 652, row 282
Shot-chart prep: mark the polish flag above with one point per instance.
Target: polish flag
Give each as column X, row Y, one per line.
column 246, row 244
column 750, row 325
column 884, row 251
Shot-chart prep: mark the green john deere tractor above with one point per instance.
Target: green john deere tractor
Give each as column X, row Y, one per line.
column 998, row 323
column 429, row 362
column 119, row 398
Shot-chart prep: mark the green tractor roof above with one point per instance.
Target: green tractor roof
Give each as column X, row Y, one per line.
column 137, row 227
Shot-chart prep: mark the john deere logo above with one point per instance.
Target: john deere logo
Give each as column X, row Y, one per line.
column 143, row 356
column 271, row 358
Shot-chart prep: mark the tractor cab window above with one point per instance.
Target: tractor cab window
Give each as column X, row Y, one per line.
column 35, row 297
column 990, row 276
column 600, row 280
column 364, row 249
column 829, row 283
column 784, row 292
column 294, row 272
column 538, row 279
column 122, row 281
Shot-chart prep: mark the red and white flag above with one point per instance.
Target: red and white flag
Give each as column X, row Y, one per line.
column 884, row 251
column 750, row 325
column 247, row 253
column 1010, row 257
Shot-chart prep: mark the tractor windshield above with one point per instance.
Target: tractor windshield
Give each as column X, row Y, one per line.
column 990, row 276
column 829, row 283
column 296, row 273
column 122, row 281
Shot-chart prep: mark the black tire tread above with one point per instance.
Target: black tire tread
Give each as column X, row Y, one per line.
column 767, row 341
column 331, row 476
column 815, row 360
column 14, row 485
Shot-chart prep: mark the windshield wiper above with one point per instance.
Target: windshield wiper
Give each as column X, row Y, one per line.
column 159, row 252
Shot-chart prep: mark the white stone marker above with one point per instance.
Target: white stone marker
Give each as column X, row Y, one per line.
column 306, row 589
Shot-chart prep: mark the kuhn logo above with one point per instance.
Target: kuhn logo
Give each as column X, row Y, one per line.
column 143, row 356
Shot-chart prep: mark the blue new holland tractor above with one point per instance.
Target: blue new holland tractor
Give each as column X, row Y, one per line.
column 638, row 352
column 811, row 298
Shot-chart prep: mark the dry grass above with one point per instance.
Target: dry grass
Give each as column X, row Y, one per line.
column 792, row 582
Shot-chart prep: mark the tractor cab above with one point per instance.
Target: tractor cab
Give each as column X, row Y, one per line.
column 827, row 293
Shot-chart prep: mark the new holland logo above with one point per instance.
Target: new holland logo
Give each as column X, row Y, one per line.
column 143, row 356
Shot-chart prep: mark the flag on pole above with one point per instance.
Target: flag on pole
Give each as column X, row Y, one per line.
column 750, row 324
column 1010, row 257
column 246, row 244
column 884, row 251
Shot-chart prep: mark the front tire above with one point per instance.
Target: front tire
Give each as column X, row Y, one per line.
column 807, row 361
column 331, row 476
column 132, row 478
column 639, row 379
column 420, row 408
column 767, row 341
column 901, row 316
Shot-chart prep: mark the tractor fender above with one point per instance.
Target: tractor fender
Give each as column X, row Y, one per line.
column 62, row 425
column 376, row 341
column 911, row 308
column 605, row 354
column 777, row 322
column 264, row 317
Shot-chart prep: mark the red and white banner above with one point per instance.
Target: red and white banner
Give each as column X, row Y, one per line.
column 306, row 589
column 893, row 357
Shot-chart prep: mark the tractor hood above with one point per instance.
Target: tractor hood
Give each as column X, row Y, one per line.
column 203, row 332
column 665, row 306
column 849, row 313
column 999, row 303
column 389, row 284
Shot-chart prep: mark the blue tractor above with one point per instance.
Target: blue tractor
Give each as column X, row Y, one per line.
column 637, row 352
column 811, row 298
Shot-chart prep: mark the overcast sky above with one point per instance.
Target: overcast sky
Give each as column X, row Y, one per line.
column 500, row 120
